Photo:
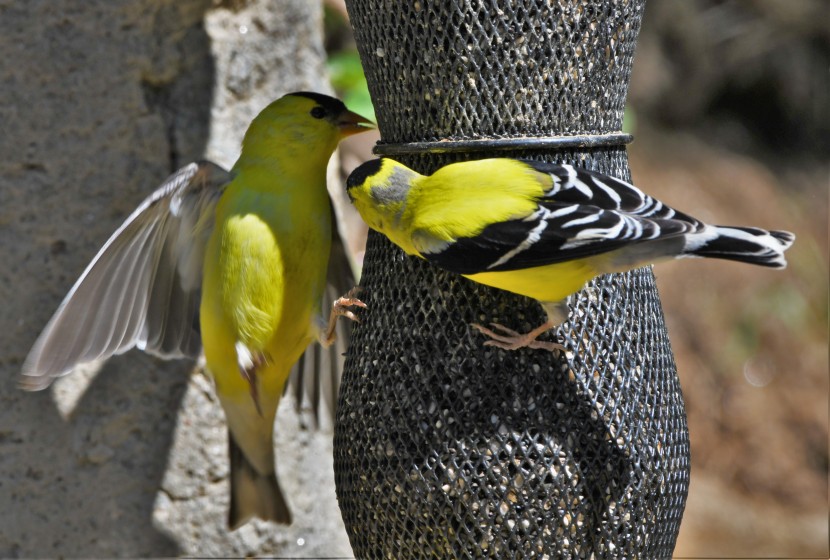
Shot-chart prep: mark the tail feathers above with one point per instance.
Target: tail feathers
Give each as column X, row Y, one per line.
column 253, row 494
column 744, row 244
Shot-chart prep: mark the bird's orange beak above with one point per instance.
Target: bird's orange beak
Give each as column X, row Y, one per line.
column 351, row 123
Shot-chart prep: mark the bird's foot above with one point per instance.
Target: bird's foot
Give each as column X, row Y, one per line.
column 508, row 339
column 340, row 308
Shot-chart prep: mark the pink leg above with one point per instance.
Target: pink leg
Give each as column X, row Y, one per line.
column 512, row 340
column 340, row 308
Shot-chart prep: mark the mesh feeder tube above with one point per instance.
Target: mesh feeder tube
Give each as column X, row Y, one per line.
column 446, row 448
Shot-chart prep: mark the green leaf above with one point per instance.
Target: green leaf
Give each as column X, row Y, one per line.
column 348, row 79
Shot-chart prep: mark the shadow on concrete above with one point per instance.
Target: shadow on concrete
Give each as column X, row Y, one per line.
column 100, row 102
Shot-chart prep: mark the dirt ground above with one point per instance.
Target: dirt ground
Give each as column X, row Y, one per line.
column 751, row 352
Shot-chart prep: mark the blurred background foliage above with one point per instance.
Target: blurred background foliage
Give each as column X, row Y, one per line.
column 729, row 104
column 348, row 80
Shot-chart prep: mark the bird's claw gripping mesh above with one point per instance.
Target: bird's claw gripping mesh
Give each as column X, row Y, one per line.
column 445, row 447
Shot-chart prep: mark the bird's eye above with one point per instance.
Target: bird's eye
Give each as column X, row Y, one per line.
column 318, row 112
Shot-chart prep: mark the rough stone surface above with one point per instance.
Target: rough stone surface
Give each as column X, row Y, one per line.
column 100, row 100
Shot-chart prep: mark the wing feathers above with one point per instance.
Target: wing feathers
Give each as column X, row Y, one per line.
column 142, row 288
column 581, row 214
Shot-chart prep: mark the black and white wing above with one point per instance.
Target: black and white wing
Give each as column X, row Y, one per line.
column 581, row 214
column 143, row 287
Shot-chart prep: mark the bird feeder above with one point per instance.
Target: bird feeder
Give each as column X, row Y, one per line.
column 448, row 448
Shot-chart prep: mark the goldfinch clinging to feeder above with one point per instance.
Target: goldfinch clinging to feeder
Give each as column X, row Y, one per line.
column 231, row 261
column 539, row 229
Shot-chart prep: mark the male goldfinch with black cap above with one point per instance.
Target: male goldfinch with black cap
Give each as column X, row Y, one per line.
column 539, row 229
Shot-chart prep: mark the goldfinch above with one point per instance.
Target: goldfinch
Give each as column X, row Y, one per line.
column 231, row 261
column 539, row 229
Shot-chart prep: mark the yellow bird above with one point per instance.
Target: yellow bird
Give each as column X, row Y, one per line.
column 539, row 229
column 232, row 261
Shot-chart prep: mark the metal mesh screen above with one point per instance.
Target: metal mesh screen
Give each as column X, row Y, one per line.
column 446, row 448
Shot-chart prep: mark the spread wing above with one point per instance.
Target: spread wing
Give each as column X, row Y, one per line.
column 581, row 214
column 142, row 289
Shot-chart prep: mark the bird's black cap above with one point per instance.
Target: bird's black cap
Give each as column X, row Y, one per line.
column 364, row 171
column 332, row 105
